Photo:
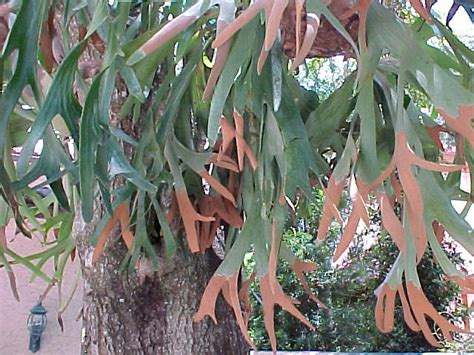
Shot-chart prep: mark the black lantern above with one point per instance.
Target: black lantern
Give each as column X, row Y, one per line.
column 36, row 324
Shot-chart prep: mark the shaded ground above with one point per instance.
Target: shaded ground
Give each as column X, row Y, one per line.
column 13, row 315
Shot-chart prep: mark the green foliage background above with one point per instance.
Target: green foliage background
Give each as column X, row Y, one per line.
column 347, row 289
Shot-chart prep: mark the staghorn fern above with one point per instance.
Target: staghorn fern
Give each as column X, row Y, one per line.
column 262, row 157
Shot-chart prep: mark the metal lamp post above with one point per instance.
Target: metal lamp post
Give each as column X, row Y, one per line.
column 36, row 324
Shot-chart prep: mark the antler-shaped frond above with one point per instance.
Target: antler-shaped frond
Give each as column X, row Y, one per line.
column 236, row 133
column 273, row 10
column 227, row 285
column 403, row 160
column 359, row 197
column 416, row 307
column 120, row 215
column 218, row 208
column 312, row 25
column 182, row 22
column 272, row 294
column 462, row 123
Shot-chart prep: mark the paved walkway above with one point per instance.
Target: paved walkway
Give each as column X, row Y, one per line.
column 13, row 330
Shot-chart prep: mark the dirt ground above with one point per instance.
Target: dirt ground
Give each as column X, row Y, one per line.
column 13, row 315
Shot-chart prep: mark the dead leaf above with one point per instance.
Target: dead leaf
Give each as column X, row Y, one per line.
column 97, row 42
column 46, row 47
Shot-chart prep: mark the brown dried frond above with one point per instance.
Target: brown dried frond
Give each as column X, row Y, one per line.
column 328, row 42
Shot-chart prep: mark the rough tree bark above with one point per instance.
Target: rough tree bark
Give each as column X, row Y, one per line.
column 125, row 315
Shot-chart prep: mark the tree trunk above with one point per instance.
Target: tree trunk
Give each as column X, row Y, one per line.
column 126, row 314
